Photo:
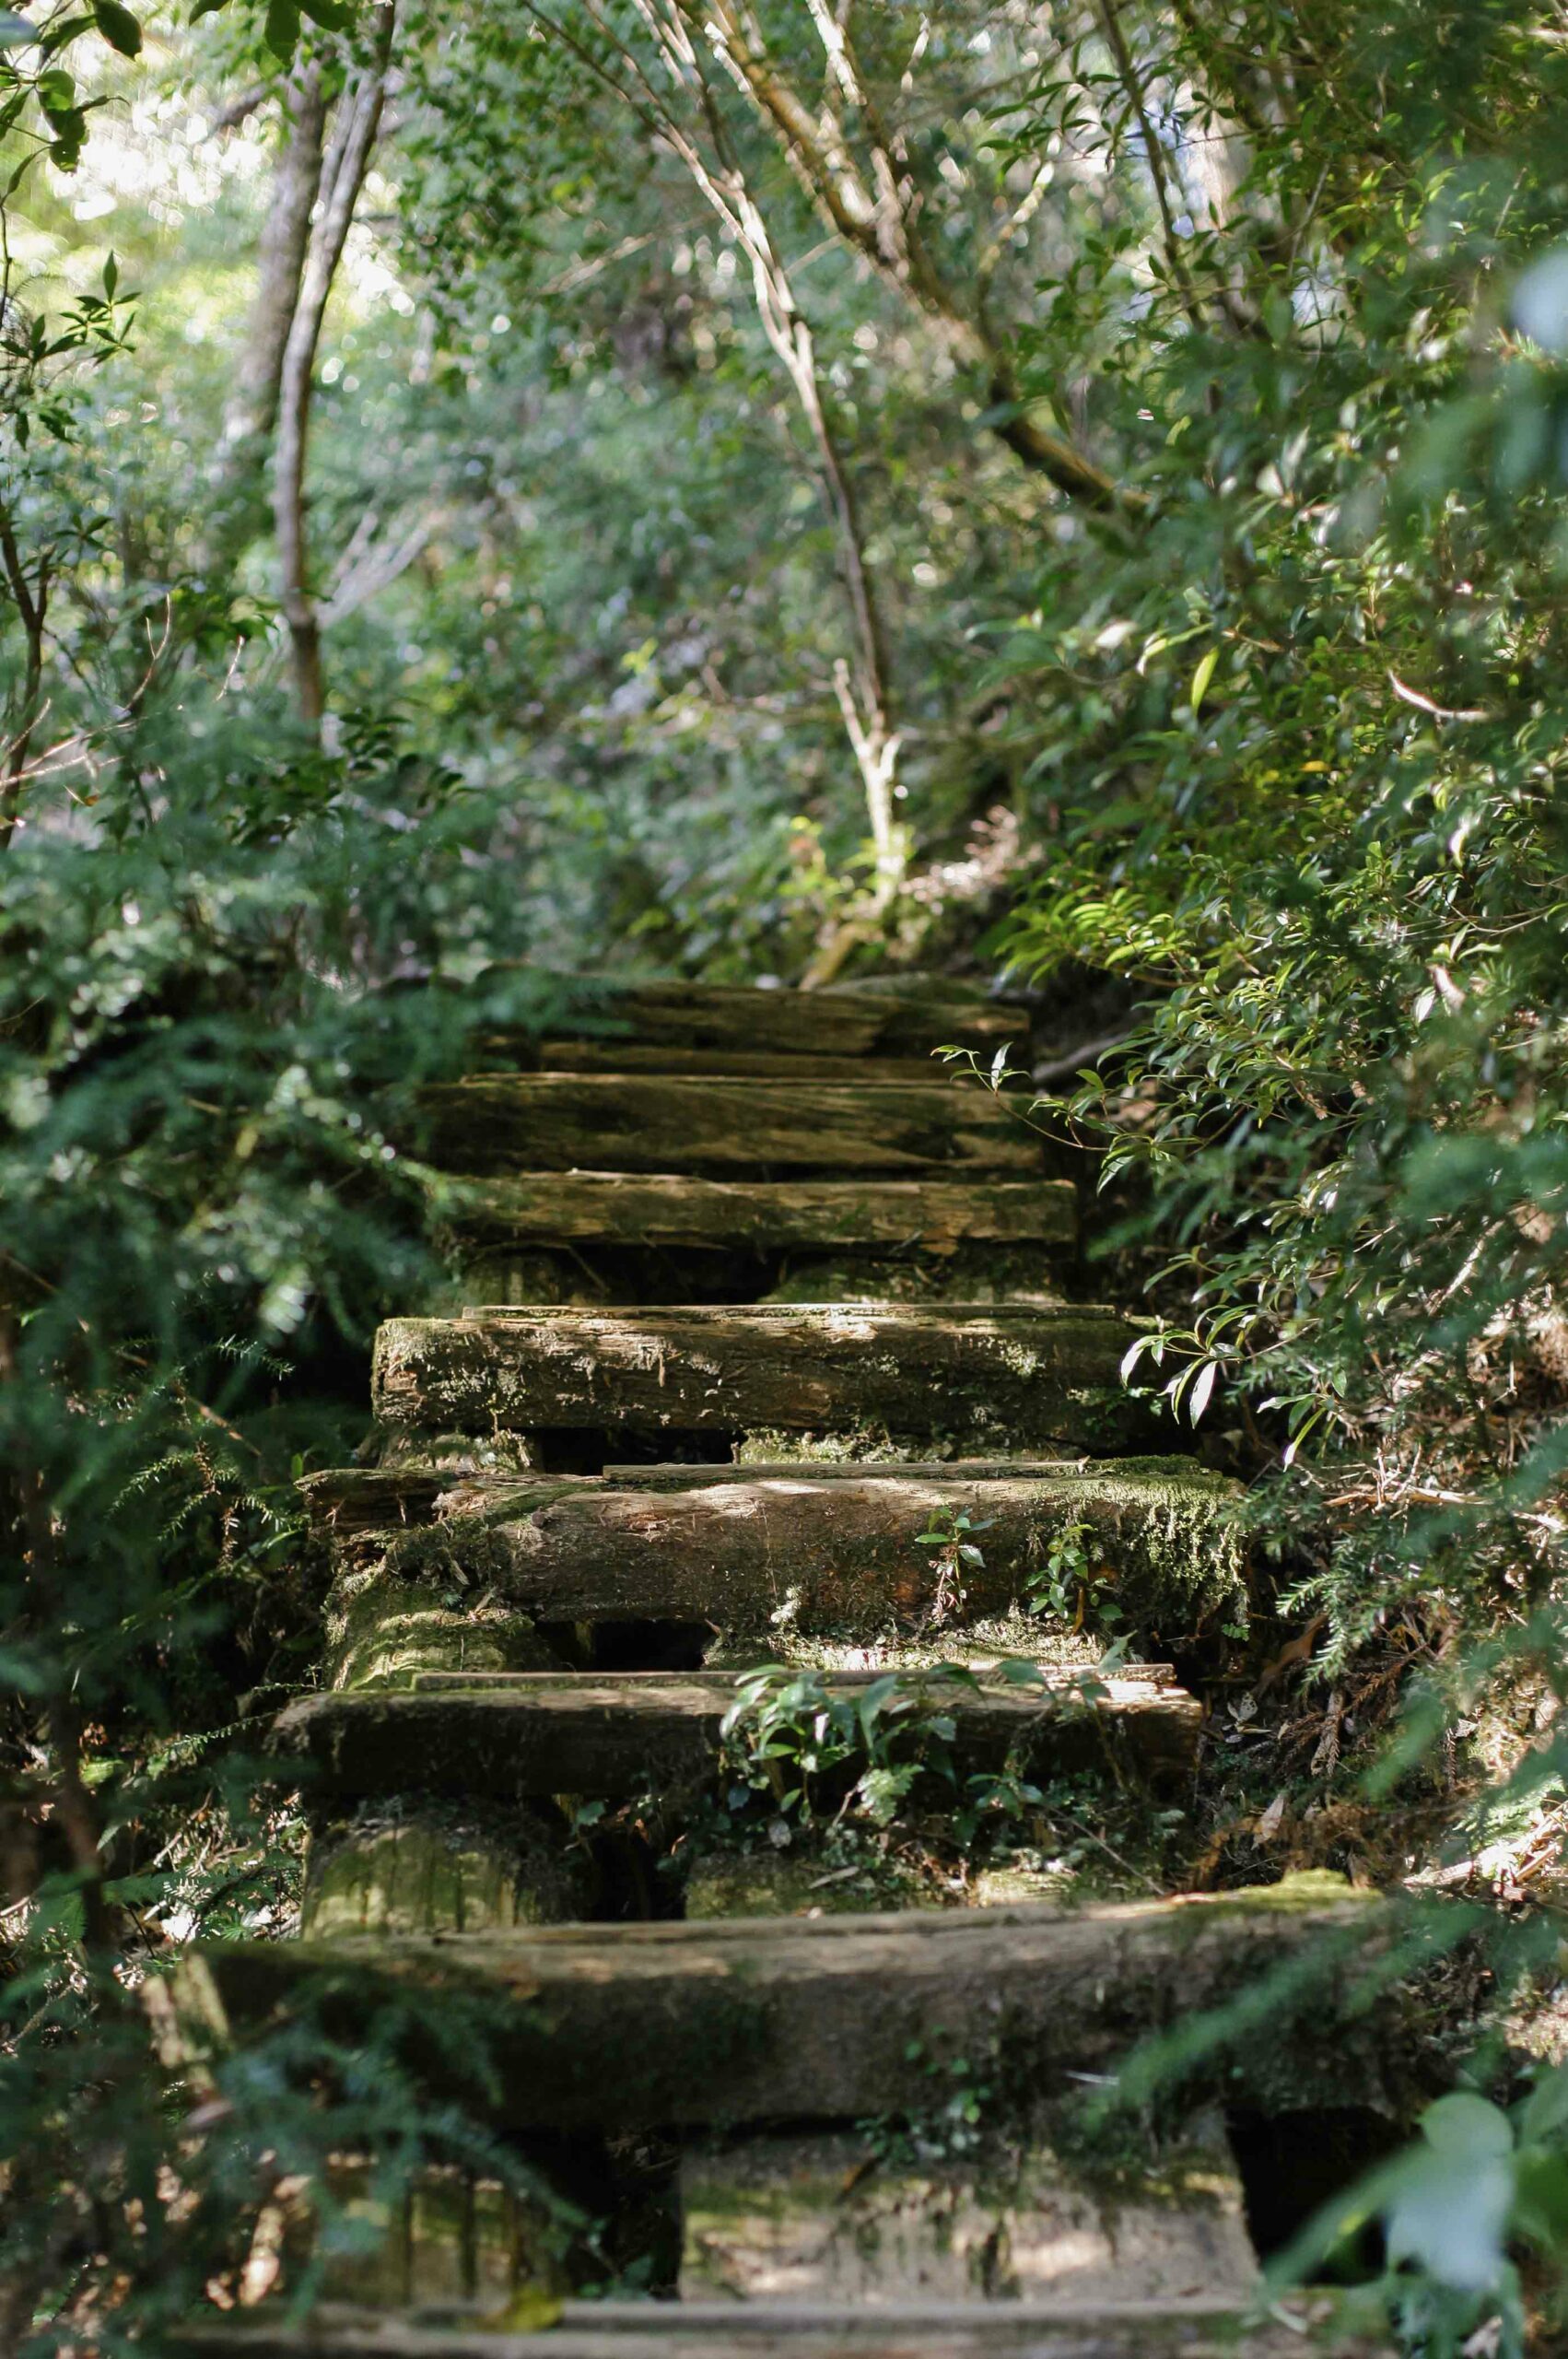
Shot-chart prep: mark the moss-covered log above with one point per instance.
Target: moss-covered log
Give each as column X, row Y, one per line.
column 421, row 1869
column 621, row 2026
column 830, row 2215
column 653, row 1122
column 633, row 1732
column 727, row 1064
column 838, row 1548
column 853, row 1021
column 1193, row 2329
column 999, row 1378
column 630, row 1208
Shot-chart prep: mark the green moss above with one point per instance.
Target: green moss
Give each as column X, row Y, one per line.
column 1303, row 1890
column 811, row 1880
column 977, row 1643
column 438, row 1870
column 868, row 1445
column 453, row 1454
column 381, row 1631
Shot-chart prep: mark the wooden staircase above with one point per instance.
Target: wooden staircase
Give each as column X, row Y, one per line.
column 769, row 1304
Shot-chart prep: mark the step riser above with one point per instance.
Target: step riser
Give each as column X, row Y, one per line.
column 616, row 1208
column 636, row 1123
column 828, row 2218
column 597, row 1741
column 1191, row 2330
column 729, row 1064
column 621, row 2027
column 850, row 1022
column 843, row 1555
column 1020, row 1380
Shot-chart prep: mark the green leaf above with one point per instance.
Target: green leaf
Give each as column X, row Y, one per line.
column 332, row 16
column 119, row 28
column 1019, row 1674
column 206, row 8
column 1450, row 2207
column 1201, row 678
column 280, row 29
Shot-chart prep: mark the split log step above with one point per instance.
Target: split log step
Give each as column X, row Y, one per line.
column 652, row 1123
column 1302, row 2328
column 848, row 1021
column 729, row 1064
column 838, row 1547
column 625, row 1208
column 1027, row 1378
column 611, row 2027
column 832, row 2215
column 507, row 1737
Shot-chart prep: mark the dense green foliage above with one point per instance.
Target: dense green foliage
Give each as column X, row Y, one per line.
column 1091, row 498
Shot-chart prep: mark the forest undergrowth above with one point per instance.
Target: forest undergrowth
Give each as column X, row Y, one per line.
column 1072, row 493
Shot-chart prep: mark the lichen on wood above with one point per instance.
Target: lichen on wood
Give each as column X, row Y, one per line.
column 998, row 1377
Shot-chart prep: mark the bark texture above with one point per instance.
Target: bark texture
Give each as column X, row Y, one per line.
column 344, row 167
column 825, row 2217
column 577, row 1734
column 728, row 1064
column 642, row 1123
column 640, row 2330
column 252, row 410
column 832, row 1549
column 631, row 1208
column 847, row 1020
column 622, row 2027
column 1004, row 1380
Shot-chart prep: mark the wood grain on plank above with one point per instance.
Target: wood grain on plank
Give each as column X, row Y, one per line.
column 1013, row 1379
column 552, row 1122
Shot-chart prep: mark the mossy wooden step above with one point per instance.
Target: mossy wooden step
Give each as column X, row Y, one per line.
column 832, row 2215
column 672, row 1123
column 1018, row 1379
column 593, row 1207
column 854, row 1020
column 620, row 2027
column 1303, row 2328
column 727, row 1064
column 824, row 1548
column 627, row 1732
column 458, row 1868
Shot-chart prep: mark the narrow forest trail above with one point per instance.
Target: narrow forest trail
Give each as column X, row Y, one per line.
column 778, row 1357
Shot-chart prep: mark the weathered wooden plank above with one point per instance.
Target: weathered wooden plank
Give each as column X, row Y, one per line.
column 438, row 1870
column 623, row 1733
column 632, row 1208
column 342, row 1501
column 838, row 1548
column 362, row 1498
column 346, row 1499
column 850, row 1020
column 1197, row 2328
column 678, row 1475
column 731, row 1064
column 1023, row 1379
column 657, row 1123
column 794, row 2019
column 827, row 2215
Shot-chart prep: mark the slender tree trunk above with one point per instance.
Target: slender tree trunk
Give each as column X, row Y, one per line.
column 342, row 178
column 252, row 410
column 30, row 596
